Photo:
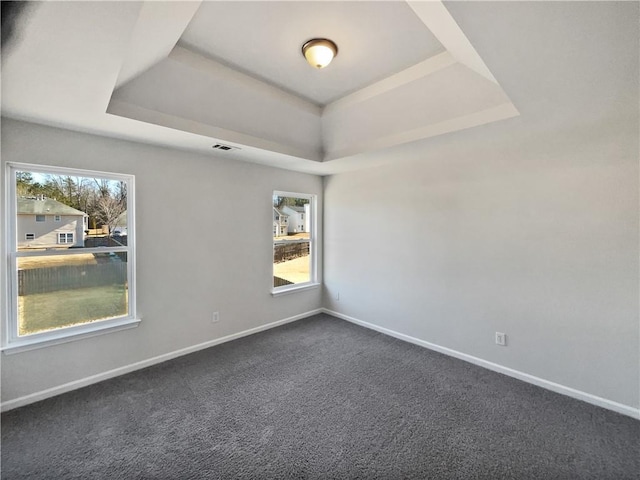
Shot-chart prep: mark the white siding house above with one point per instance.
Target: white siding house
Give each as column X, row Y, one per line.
column 298, row 218
column 44, row 222
column 280, row 223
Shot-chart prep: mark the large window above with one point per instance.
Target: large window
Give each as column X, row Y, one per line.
column 67, row 278
column 294, row 245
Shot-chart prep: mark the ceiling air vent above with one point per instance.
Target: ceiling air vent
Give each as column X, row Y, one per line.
column 226, row 148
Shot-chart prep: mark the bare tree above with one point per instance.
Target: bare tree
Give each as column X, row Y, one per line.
column 24, row 183
column 108, row 209
column 102, row 186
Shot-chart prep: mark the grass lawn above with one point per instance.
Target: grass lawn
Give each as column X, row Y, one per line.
column 46, row 311
column 50, row 261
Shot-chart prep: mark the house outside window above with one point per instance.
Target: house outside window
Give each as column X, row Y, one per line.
column 40, row 218
column 57, row 218
column 294, row 252
column 58, row 293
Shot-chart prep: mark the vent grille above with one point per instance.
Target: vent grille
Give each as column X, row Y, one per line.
column 226, row 148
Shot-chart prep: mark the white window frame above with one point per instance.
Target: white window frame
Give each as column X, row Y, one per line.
column 11, row 341
column 313, row 246
column 57, row 218
column 26, row 236
column 65, row 235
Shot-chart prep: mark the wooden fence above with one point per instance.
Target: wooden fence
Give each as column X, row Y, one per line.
column 288, row 251
column 279, row 282
column 44, row 280
column 115, row 241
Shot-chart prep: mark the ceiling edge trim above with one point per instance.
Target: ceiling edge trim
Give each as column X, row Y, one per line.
column 415, row 72
column 493, row 114
column 438, row 19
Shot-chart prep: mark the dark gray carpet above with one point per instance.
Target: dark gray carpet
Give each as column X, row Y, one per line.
column 317, row 399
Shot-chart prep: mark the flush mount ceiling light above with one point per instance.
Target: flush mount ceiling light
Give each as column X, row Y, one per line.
column 319, row 52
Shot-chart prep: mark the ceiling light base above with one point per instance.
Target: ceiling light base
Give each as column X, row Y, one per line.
column 319, row 52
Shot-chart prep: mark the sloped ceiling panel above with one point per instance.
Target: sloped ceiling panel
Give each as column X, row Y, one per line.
column 205, row 96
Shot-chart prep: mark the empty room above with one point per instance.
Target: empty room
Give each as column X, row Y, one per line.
column 320, row 239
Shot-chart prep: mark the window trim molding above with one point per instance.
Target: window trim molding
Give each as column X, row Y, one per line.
column 66, row 238
column 64, row 335
column 11, row 341
column 313, row 246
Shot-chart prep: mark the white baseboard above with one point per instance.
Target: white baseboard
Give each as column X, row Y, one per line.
column 83, row 382
column 540, row 382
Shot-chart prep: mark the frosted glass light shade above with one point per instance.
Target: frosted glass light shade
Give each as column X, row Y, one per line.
column 319, row 52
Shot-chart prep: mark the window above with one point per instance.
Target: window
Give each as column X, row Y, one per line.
column 65, row 238
column 70, row 284
column 57, row 218
column 294, row 253
column 40, row 218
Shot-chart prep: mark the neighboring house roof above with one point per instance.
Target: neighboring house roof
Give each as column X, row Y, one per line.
column 44, row 206
column 278, row 212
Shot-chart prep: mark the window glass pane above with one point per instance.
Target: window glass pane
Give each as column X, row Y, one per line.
column 56, row 283
column 291, row 241
column 80, row 205
column 291, row 263
column 56, row 291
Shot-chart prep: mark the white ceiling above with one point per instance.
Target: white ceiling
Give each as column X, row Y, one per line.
column 563, row 65
column 264, row 39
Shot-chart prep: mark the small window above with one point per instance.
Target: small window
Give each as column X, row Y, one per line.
column 64, row 238
column 58, row 293
column 294, row 255
column 56, row 218
column 40, row 218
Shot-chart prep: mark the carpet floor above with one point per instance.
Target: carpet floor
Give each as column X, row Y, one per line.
column 318, row 399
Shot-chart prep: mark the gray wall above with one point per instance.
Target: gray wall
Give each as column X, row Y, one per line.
column 527, row 226
column 189, row 263
column 534, row 237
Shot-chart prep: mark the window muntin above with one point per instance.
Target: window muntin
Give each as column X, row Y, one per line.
column 64, row 238
column 72, row 282
column 57, row 218
column 294, row 255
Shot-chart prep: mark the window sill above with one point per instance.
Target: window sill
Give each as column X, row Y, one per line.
column 294, row 289
column 56, row 338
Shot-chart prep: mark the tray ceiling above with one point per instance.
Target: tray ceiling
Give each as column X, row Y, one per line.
column 195, row 74
column 263, row 39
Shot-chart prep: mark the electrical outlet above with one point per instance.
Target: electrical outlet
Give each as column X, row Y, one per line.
column 216, row 317
column 501, row 339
